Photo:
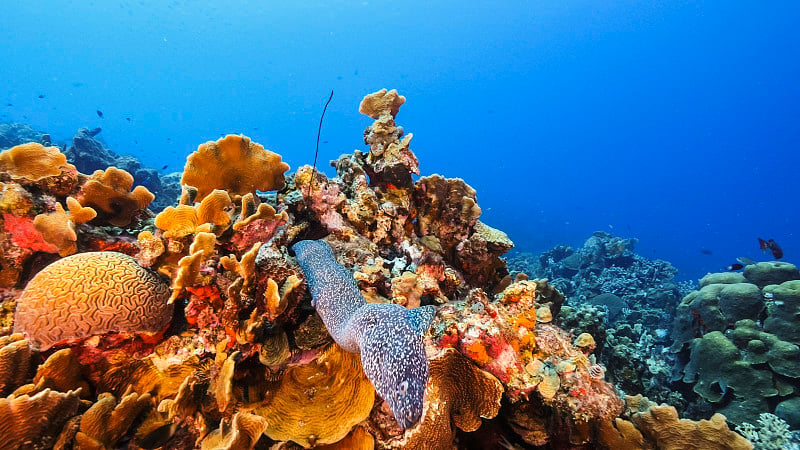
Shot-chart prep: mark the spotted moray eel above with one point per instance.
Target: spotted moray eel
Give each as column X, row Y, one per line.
column 388, row 336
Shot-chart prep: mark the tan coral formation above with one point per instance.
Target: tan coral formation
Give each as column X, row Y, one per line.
column 652, row 426
column 35, row 418
column 458, row 394
column 240, row 433
column 390, row 160
column 91, row 293
column 32, row 161
column 109, row 193
column 57, row 229
column 319, row 403
column 234, row 164
column 16, row 362
column 35, row 164
column 107, row 420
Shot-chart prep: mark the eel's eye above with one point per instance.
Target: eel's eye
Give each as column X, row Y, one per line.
column 403, row 388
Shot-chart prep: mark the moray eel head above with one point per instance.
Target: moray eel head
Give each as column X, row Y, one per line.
column 398, row 368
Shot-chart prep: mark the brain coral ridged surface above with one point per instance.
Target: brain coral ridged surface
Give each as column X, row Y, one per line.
column 91, row 293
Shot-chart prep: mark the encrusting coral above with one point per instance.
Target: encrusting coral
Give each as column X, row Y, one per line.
column 194, row 328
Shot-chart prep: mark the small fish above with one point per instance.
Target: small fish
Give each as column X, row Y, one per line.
column 9, row 104
column 735, row 266
column 324, row 142
column 41, row 95
column 128, row 119
column 745, row 260
column 772, row 246
column 99, row 114
column 705, row 251
column 169, row 139
column 165, row 166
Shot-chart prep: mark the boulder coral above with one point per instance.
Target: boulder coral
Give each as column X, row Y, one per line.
column 737, row 342
column 91, row 293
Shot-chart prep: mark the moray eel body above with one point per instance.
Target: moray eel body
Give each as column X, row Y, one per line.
column 388, row 337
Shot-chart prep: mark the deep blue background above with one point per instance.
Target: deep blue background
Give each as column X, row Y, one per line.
column 675, row 122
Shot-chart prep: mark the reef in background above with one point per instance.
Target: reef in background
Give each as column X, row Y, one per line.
column 209, row 337
column 729, row 346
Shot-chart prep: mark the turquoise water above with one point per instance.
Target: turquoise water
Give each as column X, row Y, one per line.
column 673, row 122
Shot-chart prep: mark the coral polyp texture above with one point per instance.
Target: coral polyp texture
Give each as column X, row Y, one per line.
column 371, row 309
column 91, row 293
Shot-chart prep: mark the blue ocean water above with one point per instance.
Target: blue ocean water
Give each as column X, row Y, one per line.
column 673, row 122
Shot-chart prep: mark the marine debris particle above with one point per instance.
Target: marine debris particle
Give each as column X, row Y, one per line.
column 388, row 336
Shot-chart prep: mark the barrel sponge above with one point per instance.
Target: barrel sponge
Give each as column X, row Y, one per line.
column 234, row 164
column 91, row 293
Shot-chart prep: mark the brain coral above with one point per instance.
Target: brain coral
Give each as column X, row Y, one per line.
column 234, row 164
column 91, row 293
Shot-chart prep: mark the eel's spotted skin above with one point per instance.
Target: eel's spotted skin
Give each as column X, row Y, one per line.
column 388, row 337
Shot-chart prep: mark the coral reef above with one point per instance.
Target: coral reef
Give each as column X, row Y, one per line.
column 625, row 301
column 736, row 341
column 198, row 327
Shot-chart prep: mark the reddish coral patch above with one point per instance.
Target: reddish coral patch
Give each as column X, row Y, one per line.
column 25, row 235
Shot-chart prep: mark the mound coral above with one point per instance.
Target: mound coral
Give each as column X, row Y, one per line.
column 91, row 293
column 742, row 366
column 234, row 164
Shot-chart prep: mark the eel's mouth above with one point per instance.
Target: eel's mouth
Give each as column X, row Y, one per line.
column 407, row 419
